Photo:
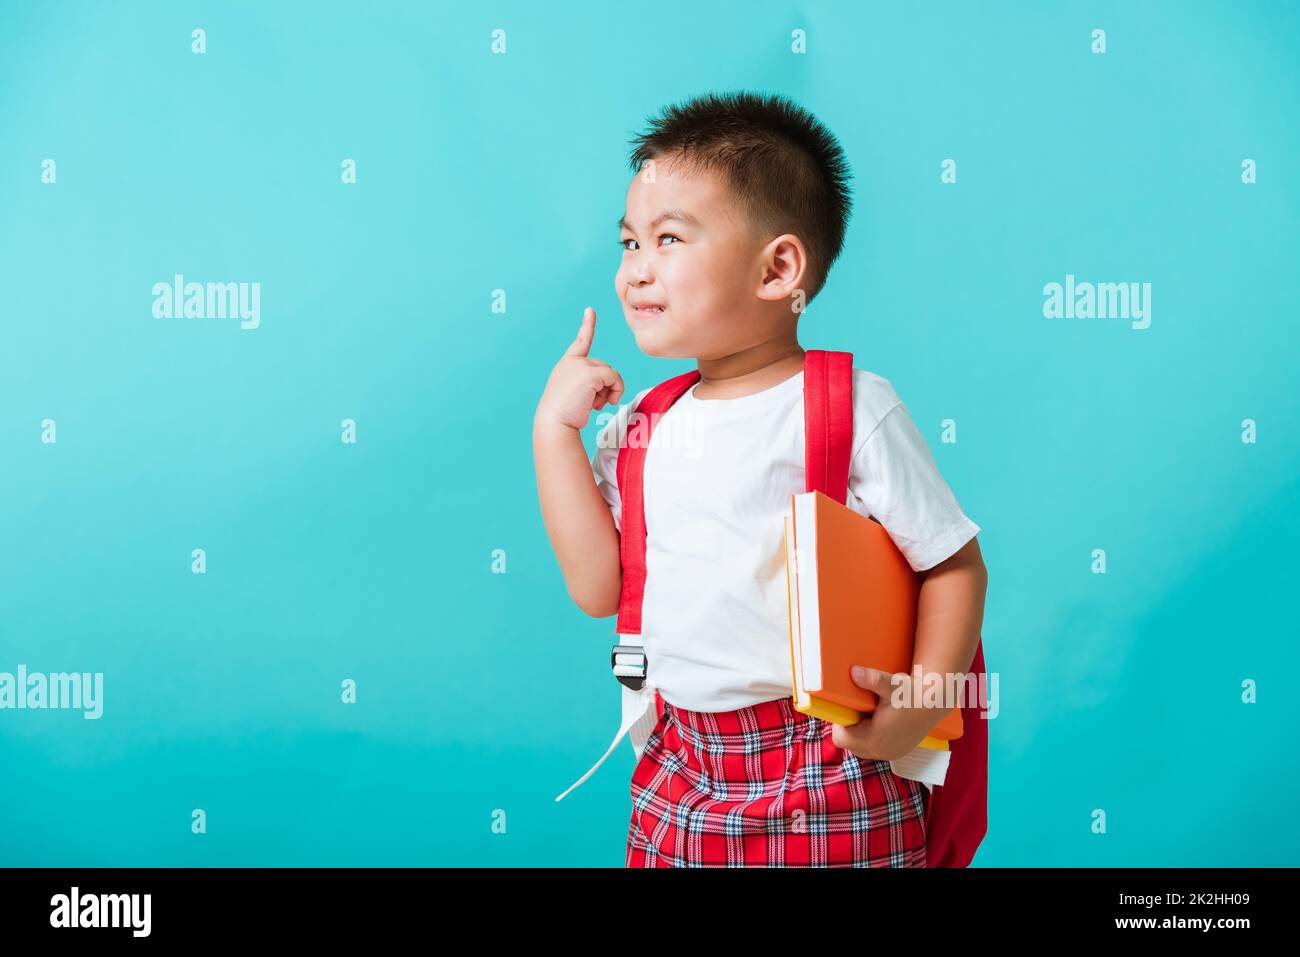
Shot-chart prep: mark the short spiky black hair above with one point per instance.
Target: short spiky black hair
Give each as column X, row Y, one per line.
column 784, row 167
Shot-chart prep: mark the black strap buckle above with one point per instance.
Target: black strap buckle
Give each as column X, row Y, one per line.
column 629, row 663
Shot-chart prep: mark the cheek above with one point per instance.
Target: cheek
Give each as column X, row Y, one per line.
column 693, row 280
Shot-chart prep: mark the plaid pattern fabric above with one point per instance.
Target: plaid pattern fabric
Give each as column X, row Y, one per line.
column 765, row 786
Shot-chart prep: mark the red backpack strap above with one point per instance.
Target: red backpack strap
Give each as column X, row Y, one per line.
column 828, row 421
column 629, row 472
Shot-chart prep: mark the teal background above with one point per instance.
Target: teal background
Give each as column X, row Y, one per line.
column 481, row 691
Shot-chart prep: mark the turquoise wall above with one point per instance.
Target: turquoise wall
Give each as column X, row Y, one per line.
column 479, row 692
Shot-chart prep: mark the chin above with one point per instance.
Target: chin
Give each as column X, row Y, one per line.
column 650, row 345
column 659, row 341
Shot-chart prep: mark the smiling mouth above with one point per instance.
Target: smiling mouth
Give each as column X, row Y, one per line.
column 648, row 310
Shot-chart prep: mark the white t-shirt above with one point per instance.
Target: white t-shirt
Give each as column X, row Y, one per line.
column 718, row 478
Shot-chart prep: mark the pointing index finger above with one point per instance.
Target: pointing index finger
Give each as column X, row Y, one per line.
column 586, row 332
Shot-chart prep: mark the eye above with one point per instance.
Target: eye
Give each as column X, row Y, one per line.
column 623, row 242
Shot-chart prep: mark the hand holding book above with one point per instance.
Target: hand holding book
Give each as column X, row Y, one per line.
column 889, row 732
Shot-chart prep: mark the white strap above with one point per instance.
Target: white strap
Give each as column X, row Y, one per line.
column 645, row 725
column 639, row 717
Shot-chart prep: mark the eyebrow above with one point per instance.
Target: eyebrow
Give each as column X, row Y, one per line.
column 678, row 214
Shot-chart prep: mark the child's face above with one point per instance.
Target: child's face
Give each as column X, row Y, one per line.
column 706, row 274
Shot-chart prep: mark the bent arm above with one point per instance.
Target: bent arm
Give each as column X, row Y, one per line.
column 578, row 521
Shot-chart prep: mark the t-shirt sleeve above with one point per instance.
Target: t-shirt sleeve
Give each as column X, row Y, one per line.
column 894, row 475
column 604, row 462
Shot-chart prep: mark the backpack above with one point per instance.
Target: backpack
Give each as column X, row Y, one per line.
column 957, row 816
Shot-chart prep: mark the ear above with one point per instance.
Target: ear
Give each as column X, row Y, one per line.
column 785, row 269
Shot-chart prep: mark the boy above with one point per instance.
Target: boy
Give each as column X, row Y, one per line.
column 732, row 223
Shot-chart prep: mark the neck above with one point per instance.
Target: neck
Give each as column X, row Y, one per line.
column 749, row 371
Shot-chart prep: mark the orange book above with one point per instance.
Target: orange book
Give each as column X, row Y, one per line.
column 852, row 601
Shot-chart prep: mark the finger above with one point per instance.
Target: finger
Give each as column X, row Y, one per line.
column 850, row 739
column 873, row 679
column 615, row 388
column 586, row 332
column 608, row 383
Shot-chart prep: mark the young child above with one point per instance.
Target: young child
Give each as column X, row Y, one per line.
column 737, row 210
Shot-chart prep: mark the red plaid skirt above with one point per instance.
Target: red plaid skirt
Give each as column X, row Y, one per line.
column 765, row 786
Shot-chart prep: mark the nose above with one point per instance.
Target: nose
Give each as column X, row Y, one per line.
column 633, row 271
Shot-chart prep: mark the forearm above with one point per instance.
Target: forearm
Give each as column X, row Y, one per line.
column 577, row 519
column 950, row 616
